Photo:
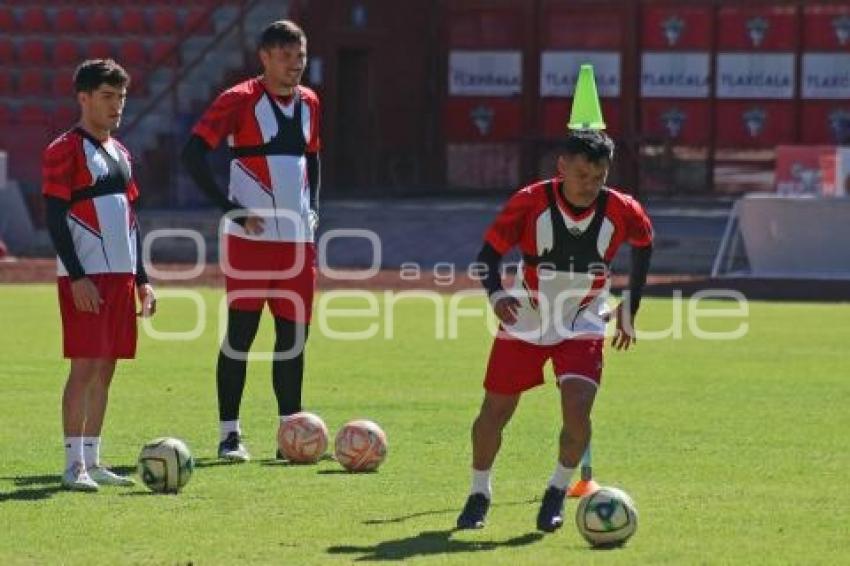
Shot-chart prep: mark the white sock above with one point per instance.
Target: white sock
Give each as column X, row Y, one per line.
column 561, row 477
column 226, row 427
column 91, row 451
column 481, row 482
column 73, row 450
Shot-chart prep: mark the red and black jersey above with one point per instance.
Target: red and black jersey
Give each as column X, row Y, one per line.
column 564, row 275
column 268, row 137
column 95, row 180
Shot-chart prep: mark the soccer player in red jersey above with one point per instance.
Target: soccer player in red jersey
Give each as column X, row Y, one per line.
column 568, row 230
column 90, row 197
column 271, row 124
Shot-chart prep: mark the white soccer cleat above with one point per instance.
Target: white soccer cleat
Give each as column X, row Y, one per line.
column 76, row 478
column 105, row 476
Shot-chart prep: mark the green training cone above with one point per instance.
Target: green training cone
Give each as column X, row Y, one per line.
column 586, row 113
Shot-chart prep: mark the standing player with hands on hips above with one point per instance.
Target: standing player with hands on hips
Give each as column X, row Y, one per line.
column 271, row 124
column 568, row 230
column 90, row 198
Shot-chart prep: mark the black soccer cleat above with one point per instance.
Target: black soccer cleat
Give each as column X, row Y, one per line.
column 232, row 449
column 474, row 512
column 551, row 514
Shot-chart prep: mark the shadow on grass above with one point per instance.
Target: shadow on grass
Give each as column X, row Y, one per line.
column 49, row 484
column 213, row 462
column 429, row 543
column 453, row 510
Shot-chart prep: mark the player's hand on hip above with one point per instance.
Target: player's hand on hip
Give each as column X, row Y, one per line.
column 506, row 309
column 147, row 300
column 85, row 294
column 254, row 225
column 625, row 334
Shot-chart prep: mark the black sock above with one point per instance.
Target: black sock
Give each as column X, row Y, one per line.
column 230, row 375
column 288, row 373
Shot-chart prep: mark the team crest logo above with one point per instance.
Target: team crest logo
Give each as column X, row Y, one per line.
column 673, row 121
column 754, row 120
column 807, row 180
column 574, row 230
column 757, row 28
column 841, row 25
column 482, row 118
column 839, row 124
column 673, row 28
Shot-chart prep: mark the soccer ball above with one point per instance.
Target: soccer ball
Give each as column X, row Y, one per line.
column 360, row 446
column 302, row 438
column 606, row 517
column 165, row 465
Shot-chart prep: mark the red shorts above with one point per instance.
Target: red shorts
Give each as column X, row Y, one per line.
column 282, row 274
column 109, row 334
column 516, row 366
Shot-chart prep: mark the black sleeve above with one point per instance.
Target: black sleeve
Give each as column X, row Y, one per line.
column 60, row 234
column 141, row 274
column 488, row 262
column 314, row 178
column 637, row 275
column 194, row 158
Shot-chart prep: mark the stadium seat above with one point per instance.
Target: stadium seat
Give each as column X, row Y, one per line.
column 62, row 84
column 100, row 49
column 7, row 51
column 34, row 20
column 7, row 20
column 66, row 52
column 65, row 116
column 164, row 21
column 98, row 21
column 132, row 21
column 6, row 86
column 133, row 53
column 31, row 83
column 164, row 53
column 32, row 52
column 198, row 21
column 67, row 20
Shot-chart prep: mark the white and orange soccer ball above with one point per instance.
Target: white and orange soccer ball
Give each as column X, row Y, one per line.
column 303, row 438
column 360, row 446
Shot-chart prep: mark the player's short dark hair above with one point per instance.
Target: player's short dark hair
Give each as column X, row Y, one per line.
column 280, row 34
column 92, row 73
column 595, row 145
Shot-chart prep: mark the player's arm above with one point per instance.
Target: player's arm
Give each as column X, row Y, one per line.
column 489, row 272
column 194, row 158
column 83, row 290
column 147, row 297
column 640, row 238
column 314, row 180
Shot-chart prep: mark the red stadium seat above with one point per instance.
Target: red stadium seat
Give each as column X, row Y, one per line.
column 132, row 21
column 198, row 21
column 7, row 51
column 98, row 21
column 6, row 84
column 133, row 53
column 34, row 20
column 67, row 20
column 164, row 53
column 164, row 21
column 100, row 49
column 65, row 116
column 32, row 52
column 62, row 84
column 7, row 20
column 66, row 52
column 31, row 83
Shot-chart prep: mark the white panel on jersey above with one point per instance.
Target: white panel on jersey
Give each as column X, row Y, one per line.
column 606, row 231
column 113, row 214
column 545, row 238
column 89, row 248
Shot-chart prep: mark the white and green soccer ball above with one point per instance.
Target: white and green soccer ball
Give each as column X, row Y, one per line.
column 607, row 517
column 165, row 465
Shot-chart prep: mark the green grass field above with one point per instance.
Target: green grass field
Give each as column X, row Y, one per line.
column 735, row 451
